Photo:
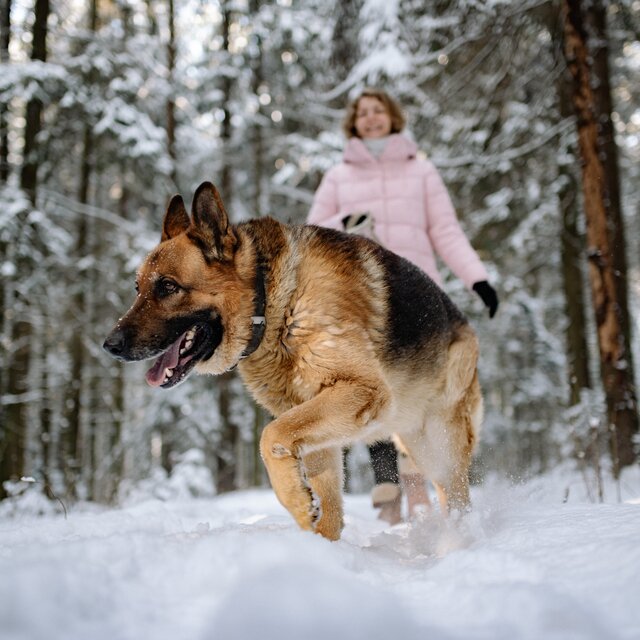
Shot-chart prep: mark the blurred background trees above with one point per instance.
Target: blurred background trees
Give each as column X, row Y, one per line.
column 109, row 107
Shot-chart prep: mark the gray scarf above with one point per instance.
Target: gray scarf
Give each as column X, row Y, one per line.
column 376, row 146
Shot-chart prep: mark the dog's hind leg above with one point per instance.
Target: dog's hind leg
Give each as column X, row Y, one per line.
column 444, row 450
column 461, row 427
column 300, row 450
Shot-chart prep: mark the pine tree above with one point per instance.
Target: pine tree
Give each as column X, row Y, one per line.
column 601, row 205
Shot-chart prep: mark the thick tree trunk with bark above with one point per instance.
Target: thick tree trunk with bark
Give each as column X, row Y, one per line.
column 615, row 365
column 596, row 25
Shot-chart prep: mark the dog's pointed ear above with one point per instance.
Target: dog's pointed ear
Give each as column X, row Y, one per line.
column 211, row 227
column 176, row 220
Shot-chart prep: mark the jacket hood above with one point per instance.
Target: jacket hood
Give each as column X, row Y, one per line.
column 399, row 147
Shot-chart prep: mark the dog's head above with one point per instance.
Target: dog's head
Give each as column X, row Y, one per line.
column 195, row 296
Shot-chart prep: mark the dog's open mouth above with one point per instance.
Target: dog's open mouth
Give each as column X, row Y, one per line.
column 177, row 362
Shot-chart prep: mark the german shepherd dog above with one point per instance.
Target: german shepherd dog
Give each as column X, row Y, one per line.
column 338, row 338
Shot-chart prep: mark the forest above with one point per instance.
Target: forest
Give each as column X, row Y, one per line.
column 529, row 109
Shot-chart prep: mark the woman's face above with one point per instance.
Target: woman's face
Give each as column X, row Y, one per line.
column 372, row 119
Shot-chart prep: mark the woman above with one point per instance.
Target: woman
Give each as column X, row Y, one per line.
column 381, row 189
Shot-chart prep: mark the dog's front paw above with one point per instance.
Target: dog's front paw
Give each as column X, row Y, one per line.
column 315, row 511
column 329, row 525
column 327, row 522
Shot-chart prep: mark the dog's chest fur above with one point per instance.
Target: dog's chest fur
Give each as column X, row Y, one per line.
column 321, row 319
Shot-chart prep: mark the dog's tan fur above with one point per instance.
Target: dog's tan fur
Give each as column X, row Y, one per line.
column 326, row 367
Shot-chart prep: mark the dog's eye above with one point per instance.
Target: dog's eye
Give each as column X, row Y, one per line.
column 165, row 287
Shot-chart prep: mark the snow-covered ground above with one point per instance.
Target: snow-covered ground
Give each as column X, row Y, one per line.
column 523, row 564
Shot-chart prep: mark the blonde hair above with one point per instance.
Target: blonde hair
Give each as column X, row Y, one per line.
column 394, row 110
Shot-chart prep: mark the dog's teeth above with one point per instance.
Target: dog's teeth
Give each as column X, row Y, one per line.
column 190, row 334
column 168, row 373
column 186, row 346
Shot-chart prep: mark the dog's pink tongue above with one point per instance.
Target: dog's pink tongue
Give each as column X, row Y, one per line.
column 168, row 360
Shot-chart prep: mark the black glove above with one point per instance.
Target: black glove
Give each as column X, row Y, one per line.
column 488, row 295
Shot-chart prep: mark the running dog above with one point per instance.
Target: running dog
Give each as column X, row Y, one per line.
column 338, row 338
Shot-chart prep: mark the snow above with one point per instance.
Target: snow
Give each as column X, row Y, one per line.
column 523, row 564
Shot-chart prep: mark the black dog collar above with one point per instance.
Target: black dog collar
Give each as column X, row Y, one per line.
column 258, row 320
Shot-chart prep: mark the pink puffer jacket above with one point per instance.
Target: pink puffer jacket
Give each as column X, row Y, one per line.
column 413, row 214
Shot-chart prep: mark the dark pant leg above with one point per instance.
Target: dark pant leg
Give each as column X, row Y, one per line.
column 384, row 460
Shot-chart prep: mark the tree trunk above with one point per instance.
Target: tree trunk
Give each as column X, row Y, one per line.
column 5, row 31
column 171, row 106
column 5, row 38
column 596, row 24
column 572, row 249
column 70, row 456
column 572, row 243
column 17, row 333
column 226, row 456
column 257, row 139
column 344, row 40
column 256, row 467
column 226, row 480
column 12, row 440
column 225, row 134
column 12, row 445
column 33, row 117
column 615, row 370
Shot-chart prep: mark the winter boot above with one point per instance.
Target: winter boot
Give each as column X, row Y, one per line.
column 413, row 485
column 388, row 498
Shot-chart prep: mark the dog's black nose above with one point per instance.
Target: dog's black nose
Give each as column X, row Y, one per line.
column 115, row 343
